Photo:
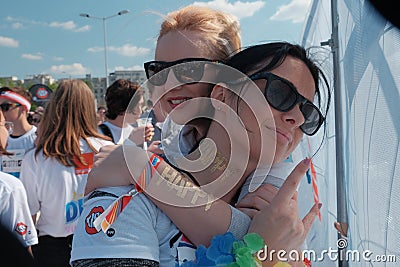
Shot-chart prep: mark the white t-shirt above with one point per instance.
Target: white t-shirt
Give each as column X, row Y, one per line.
column 56, row 190
column 137, row 233
column 14, row 210
column 119, row 134
column 19, row 147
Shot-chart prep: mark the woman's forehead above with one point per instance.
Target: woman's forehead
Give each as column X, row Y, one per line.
column 183, row 44
column 297, row 72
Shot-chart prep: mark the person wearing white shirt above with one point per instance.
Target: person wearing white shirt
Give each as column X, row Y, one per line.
column 124, row 100
column 15, row 104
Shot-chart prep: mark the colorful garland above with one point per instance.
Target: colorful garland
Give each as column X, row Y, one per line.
column 226, row 250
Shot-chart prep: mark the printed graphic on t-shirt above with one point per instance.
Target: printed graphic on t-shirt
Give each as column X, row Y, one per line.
column 12, row 164
column 89, row 220
column 21, row 228
column 85, row 168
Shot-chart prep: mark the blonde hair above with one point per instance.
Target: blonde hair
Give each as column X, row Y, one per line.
column 221, row 30
column 70, row 115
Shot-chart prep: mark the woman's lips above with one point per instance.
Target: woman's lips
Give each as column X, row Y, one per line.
column 283, row 135
column 176, row 101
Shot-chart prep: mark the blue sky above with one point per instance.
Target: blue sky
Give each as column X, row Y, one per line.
column 49, row 36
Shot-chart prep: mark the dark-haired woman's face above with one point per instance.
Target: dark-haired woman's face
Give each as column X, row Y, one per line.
column 284, row 126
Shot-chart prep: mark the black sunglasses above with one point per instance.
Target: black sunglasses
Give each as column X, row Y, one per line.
column 6, row 106
column 282, row 95
column 190, row 72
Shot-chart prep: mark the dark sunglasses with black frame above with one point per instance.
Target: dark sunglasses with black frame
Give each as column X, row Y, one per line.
column 6, row 106
column 190, row 72
column 283, row 96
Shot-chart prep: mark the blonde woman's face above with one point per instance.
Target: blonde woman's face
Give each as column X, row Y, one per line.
column 174, row 95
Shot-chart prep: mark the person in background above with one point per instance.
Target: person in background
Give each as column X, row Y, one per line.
column 148, row 106
column 157, row 119
column 14, row 210
column 36, row 118
column 15, row 104
column 101, row 114
column 55, row 172
column 120, row 115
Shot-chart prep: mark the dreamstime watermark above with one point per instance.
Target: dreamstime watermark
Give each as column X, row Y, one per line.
column 327, row 254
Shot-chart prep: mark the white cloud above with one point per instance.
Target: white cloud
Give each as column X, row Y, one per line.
column 95, row 49
column 32, row 57
column 136, row 67
column 69, row 25
column 8, row 42
column 17, row 25
column 83, row 29
column 295, row 11
column 73, row 69
column 58, row 58
column 125, row 50
column 25, row 21
column 238, row 8
column 130, row 50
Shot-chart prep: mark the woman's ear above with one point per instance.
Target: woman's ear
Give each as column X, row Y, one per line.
column 218, row 96
column 3, row 134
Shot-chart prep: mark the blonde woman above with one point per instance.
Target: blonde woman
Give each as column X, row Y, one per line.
column 190, row 34
column 55, row 172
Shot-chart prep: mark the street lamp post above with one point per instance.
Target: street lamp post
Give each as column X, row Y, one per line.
column 122, row 12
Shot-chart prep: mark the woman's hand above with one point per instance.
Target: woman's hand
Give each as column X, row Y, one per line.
column 279, row 222
column 141, row 134
column 254, row 202
column 154, row 147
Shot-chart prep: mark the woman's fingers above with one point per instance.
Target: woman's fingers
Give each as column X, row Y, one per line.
column 249, row 212
column 154, row 147
column 289, row 187
column 308, row 220
column 258, row 199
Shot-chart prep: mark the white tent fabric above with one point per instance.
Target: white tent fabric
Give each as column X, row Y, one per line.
column 369, row 56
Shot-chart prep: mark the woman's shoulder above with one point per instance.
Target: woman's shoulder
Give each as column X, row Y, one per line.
column 98, row 142
column 9, row 182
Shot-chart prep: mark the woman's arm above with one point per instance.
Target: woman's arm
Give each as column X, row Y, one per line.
column 186, row 210
column 193, row 212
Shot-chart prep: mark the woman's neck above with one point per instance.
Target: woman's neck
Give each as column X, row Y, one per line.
column 228, row 171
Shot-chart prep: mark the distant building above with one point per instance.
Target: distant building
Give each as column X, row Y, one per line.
column 38, row 79
column 10, row 81
column 98, row 84
column 138, row 76
column 99, row 89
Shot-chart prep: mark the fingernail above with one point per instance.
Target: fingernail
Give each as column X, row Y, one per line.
column 319, row 205
column 307, row 161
